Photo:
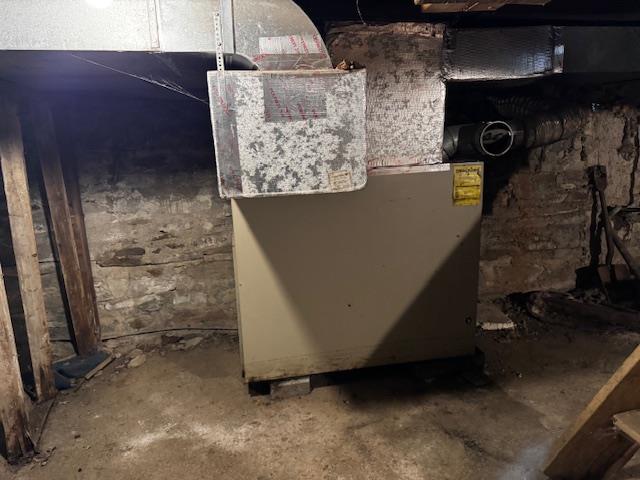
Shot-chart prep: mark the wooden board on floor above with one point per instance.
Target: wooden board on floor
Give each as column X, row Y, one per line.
column 14, row 438
column 14, row 173
column 76, row 285
column 629, row 424
column 592, row 445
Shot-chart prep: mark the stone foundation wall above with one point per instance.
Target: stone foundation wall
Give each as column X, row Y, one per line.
column 160, row 236
column 536, row 231
column 158, row 233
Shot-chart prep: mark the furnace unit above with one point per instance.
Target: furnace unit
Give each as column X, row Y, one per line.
column 388, row 274
column 354, row 245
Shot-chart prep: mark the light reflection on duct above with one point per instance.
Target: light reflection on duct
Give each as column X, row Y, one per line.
column 99, row 3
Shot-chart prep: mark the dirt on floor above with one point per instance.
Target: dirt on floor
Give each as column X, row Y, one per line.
column 187, row 415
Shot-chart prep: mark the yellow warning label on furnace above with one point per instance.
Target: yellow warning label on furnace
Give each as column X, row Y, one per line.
column 467, row 185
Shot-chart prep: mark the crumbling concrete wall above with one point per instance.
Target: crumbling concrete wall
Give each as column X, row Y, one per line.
column 536, row 232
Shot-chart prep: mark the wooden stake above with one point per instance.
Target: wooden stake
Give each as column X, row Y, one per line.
column 14, row 172
column 76, row 283
column 14, row 438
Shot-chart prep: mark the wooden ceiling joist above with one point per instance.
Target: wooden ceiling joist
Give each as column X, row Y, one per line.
column 454, row 6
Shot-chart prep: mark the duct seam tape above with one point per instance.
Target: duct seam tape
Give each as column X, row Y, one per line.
column 291, row 44
column 292, row 52
column 224, row 120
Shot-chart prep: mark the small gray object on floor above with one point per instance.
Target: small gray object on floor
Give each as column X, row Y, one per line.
column 192, row 343
column 294, row 387
column 137, row 361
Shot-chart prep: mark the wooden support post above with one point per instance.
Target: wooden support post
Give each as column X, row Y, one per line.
column 14, row 438
column 14, row 172
column 78, row 285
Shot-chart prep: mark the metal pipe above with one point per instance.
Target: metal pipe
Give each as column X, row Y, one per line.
column 488, row 139
column 550, row 128
column 497, row 138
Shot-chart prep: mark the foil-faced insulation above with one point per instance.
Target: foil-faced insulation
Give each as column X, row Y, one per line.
column 503, row 53
column 405, row 90
column 288, row 132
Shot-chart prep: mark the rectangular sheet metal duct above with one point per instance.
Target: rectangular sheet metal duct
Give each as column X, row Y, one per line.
column 288, row 132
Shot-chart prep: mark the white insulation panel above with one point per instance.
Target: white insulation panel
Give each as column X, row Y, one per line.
column 405, row 89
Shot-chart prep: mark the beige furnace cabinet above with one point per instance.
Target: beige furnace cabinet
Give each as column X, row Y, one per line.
column 387, row 274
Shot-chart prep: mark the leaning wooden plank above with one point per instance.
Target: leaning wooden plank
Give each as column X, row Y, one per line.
column 14, row 173
column 101, row 366
column 592, row 445
column 14, row 438
column 72, row 183
column 65, row 242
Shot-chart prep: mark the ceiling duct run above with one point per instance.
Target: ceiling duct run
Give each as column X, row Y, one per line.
column 109, row 45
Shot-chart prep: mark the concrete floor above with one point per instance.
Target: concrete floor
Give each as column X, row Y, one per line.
column 187, row 415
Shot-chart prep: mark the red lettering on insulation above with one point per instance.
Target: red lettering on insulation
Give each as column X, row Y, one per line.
column 288, row 113
column 301, row 110
column 304, row 45
column 318, row 43
column 223, row 104
column 294, row 44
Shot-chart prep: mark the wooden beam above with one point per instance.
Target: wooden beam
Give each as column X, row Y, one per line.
column 14, row 438
column 72, row 183
column 592, row 445
column 14, row 173
column 452, row 6
column 76, row 283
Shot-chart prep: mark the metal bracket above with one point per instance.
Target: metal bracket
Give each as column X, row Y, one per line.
column 218, row 38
